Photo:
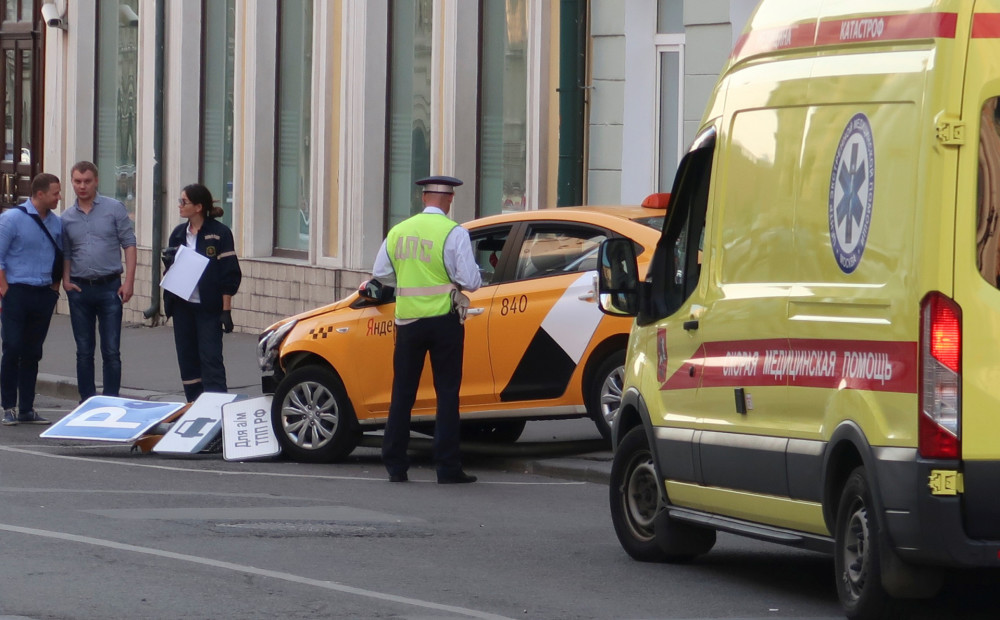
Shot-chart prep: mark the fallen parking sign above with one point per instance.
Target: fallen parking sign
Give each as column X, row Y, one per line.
column 246, row 430
column 199, row 425
column 109, row 418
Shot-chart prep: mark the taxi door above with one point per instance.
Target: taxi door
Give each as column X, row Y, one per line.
column 543, row 319
column 488, row 246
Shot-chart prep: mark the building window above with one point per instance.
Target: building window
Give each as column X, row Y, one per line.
column 669, row 64
column 219, row 44
column 670, row 96
column 503, row 105
column 670, row 16
column 117, row 71
column 292, row 141
column 409, row 140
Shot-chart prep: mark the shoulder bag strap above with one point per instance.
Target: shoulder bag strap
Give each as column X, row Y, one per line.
column 39, row 221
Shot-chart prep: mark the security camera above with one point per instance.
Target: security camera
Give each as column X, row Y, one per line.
column 52, row 17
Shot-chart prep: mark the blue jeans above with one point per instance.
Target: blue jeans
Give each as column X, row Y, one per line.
column 97, row 304
column 24, row 323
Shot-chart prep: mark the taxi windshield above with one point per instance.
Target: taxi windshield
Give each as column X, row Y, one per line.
column 655, row 222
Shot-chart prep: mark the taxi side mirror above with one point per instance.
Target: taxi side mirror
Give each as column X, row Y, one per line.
column 617, row 278
column 376, row 292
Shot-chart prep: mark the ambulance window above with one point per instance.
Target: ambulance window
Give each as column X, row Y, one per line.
column 488, row 249
column 677, row 263
column 552, row 250
column 987, row 230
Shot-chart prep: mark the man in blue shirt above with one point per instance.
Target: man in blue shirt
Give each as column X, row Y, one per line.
column 29, row 237
column 96, row 232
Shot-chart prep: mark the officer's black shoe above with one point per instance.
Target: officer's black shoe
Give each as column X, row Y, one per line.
column 398, row 478
column 457, row 478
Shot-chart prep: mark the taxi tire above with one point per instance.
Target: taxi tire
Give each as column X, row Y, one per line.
column 319, row 390
column 644, row 529
column 858, row 548
column 609, row 373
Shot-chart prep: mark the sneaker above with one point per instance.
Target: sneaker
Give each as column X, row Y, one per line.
column 9, row 417
column 30, row 417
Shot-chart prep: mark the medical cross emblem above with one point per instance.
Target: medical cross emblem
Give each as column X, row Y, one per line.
column 852, row 192
column 850, row 209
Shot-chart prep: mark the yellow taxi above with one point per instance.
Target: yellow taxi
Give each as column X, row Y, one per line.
column 536, row 344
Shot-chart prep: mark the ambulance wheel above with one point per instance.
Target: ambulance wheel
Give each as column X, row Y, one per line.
column 312, row 416
column 604, row 396
column 644, row 528
column 857, row 555
column 635, row 497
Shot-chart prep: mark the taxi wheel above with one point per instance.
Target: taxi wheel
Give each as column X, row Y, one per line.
column 635, row 497
column 312, row 416
column 857, row 554
column 605, row 393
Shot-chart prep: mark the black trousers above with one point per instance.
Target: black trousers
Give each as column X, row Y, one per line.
column 444, row 338
column 24, row 324
column 198, row 338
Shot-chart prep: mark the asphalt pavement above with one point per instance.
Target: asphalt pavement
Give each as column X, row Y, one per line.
column 561, row 448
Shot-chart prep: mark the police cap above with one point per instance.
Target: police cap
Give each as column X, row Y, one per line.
column 440, row 184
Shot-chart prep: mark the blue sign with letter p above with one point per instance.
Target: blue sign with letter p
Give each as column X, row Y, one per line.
column 108, row 418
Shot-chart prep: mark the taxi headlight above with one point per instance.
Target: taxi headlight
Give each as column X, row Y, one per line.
column 268, row 345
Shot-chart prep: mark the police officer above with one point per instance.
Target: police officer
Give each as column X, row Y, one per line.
column 429, row 259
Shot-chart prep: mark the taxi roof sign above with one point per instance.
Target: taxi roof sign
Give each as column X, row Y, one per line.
column 659, row 200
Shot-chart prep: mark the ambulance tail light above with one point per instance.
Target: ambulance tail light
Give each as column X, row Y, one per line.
column 940, row 378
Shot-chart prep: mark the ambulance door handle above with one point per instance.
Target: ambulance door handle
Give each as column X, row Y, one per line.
column 475, row 311
column 691, row 325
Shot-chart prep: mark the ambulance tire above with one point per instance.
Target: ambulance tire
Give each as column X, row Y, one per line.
column 605, row 391
column 312, row 417
column 857, row 554
column 644, row 529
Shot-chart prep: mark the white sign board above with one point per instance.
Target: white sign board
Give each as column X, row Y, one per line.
column 246, row 430
column 109, row 418
column 199, row 425
column 183, row 276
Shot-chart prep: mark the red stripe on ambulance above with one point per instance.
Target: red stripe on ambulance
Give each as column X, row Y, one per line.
column 832, row 364
column 854, row 30
column 986, row 26
column 888, row 28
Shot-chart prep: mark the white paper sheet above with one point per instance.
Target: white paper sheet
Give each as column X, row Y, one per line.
column 182, row 278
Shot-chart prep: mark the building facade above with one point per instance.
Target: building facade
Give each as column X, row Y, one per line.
column 310, row 120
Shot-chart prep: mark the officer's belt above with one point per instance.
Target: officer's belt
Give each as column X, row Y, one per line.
column 414, row 291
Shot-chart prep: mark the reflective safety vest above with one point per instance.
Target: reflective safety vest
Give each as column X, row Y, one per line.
column 416, row 250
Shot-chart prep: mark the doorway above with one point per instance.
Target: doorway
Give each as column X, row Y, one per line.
column 21, row 39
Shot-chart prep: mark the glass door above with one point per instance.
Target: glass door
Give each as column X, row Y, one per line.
column 20, row 84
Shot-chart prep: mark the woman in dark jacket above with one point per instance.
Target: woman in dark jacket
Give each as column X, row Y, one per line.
column 200, row 320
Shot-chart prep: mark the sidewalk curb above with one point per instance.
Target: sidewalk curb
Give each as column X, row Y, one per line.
column 583, row 470
column 578, row 469
column 56, row 386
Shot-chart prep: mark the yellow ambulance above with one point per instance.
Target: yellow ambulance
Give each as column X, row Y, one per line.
column 815, row 359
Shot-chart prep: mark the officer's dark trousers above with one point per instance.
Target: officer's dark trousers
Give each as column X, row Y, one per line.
column 198, row 337
column 444, row 338
column 24, row 323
